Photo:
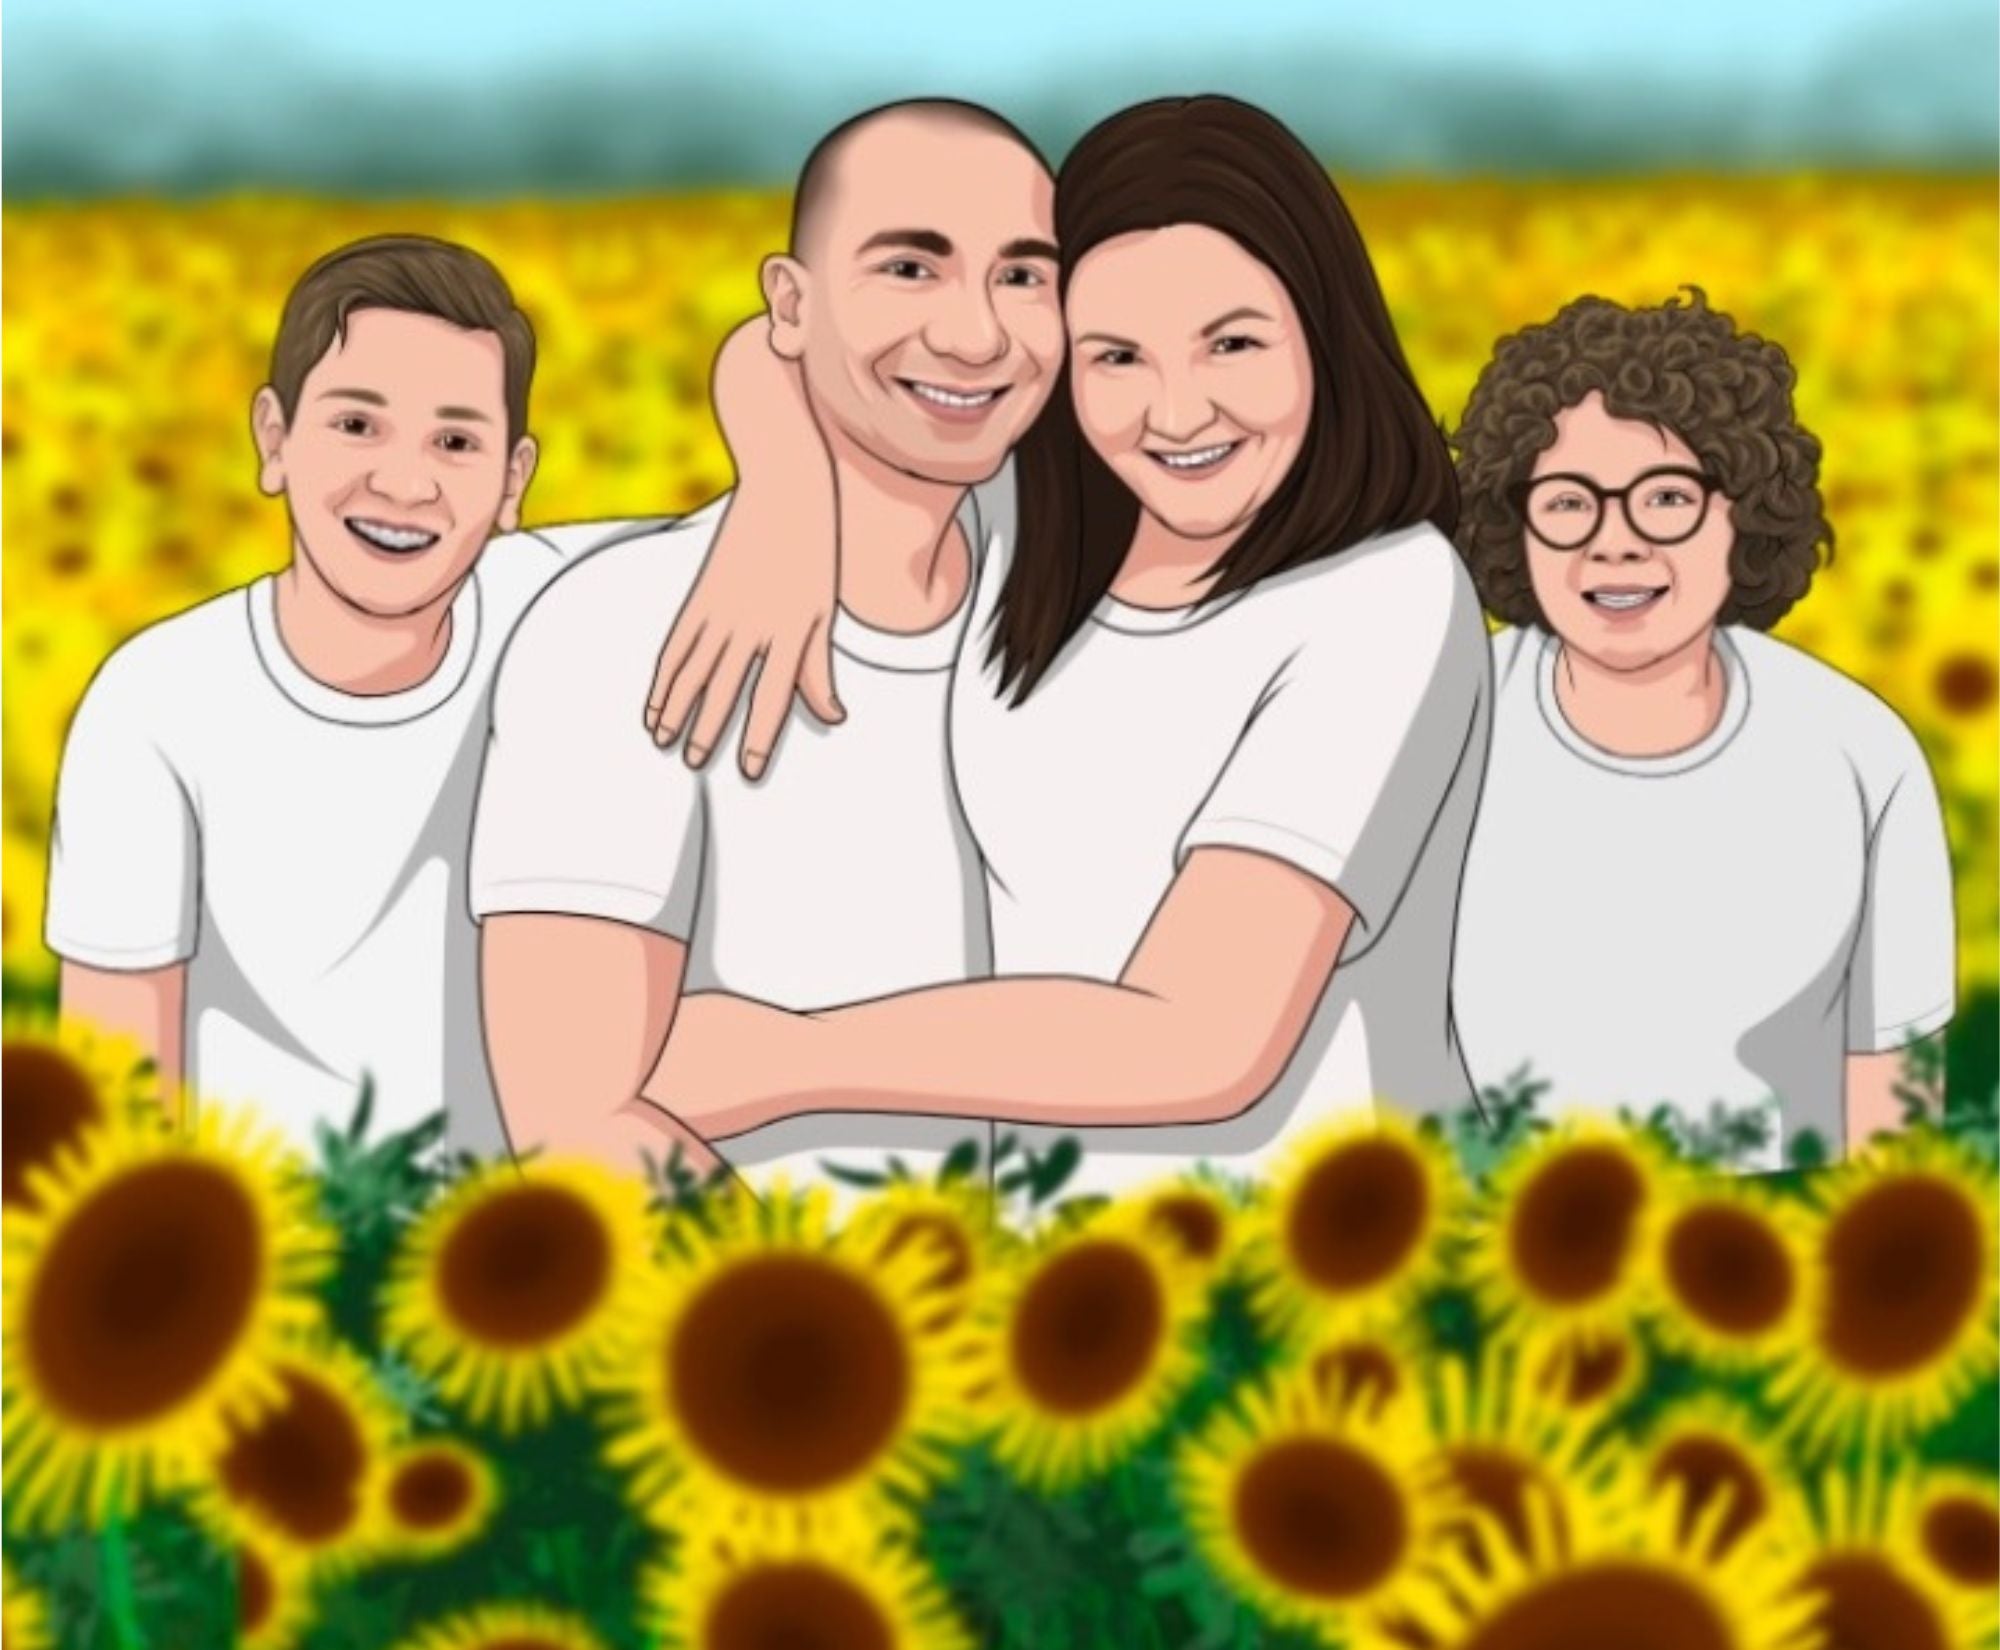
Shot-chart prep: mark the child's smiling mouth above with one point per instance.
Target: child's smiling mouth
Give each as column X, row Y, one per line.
column 384, row 535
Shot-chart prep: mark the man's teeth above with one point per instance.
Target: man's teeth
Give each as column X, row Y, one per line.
column 1198, row 459
column 1620, row 599
column 380, row 533
column 950, row 398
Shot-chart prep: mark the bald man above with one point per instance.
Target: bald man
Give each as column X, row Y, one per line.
column 919, row 300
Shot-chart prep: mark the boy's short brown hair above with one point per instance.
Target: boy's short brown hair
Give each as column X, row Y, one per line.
column 415, row 273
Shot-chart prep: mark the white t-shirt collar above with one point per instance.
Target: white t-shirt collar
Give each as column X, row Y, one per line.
column 932, row 649
column 358, row 709
column 1735, row 707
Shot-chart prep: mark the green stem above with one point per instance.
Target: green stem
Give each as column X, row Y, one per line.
column 118, row 1576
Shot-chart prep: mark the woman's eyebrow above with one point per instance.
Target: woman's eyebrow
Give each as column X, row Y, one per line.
column 1243, row 314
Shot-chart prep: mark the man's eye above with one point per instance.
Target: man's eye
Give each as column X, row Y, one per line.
column 1235, row 343
column 906, row 269
column 1018, row 275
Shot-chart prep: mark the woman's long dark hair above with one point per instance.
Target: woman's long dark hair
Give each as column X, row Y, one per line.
column 1374, row 458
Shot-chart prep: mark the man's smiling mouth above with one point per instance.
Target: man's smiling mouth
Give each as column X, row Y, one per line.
column 958, row 406
column 383, row 535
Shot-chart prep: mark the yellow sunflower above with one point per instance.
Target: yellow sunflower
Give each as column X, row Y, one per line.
column 518, row 1289
column 1900, row 1321
column 1311, row 1513
column 1562, row 1244
column 1584, row 1369
column 952, row 1225
column 780, row 1373
column 60, row 1082
column 1729, row 1271
column 24, row 1619
column 438, row 1495
column 273, row 1597
column 1195, row 1217
column 1708, row 1454
column 1352, row 1227
column 506, row 1627
column 1870, row 1581
column 144, row 1298
column 1957, row 1521
column 1084, row 1346
column 1372, row 1371
column 305, row 1475
column 1604, row 1571
column 805, row 1590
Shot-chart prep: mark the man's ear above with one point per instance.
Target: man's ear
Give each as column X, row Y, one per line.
column 267, row 431
column 520, row 471
column 784, row 281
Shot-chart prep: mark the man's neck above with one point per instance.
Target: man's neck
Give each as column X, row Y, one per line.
column 1666, row 706
column 904, row 565
column 346, row 648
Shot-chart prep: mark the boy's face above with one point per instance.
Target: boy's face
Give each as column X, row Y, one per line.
column 396, row 465
column 930, row 332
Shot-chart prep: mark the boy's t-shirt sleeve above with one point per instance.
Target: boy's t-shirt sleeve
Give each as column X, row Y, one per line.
column 1901, row 977
column 125, row 840
column 579, row 813
column 1346, row 761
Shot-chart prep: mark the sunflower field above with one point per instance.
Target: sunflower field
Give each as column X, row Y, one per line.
column 1439, row 1388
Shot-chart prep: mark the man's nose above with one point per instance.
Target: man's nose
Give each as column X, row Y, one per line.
column 967, row 329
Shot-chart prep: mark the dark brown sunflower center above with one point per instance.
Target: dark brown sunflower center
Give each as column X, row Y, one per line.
column 1193, row 1223
column 1705, row 1469
column 1585, row 1369
column 1087, row 1328
column 1574, row 1222
column 302, row 1463
column 1358, row 1373
column 1903, row 1263
column 1865, row 1605
column 430, row 1491
column 788, row 1373
column 1360, row 1216
column 943, row 1240
column 526, row 1267
column 1609, row 1603
column 1729, row 1270
column 1961, row 1536
column 50, row 1101
column 1496, row 1482
column 1321, row 1518
column 256, row 1591
column 1966, row 684
column 144, row 1292
column 796, row 1607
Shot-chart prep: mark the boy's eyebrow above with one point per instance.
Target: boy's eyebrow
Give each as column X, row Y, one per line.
column 1030, row 248
column 368, row 396
column 469, row 414
column 1244, row 314
column 923, row 240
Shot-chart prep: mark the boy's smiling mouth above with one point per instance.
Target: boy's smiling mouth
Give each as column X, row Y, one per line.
column 384, row 535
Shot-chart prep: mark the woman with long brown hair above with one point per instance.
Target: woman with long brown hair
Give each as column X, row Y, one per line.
column 1220, row 721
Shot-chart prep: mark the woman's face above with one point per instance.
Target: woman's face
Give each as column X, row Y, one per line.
column 1619, row 597
column 1190, row 374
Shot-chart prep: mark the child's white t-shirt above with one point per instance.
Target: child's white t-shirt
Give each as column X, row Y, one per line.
column 301, row 849
column 1727, row 923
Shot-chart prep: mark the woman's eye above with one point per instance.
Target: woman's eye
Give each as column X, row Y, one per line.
column 1235, row 343
column 1116, row 358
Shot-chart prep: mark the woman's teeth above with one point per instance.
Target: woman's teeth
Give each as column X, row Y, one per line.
column 1200, row 459
column 384, row 537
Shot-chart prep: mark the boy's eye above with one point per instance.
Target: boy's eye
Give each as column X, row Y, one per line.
column 457, row 441
column 352, row 424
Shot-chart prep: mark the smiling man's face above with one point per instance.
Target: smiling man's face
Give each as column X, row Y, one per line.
column 396, row 464
column 929, row 328
column 1617, row 598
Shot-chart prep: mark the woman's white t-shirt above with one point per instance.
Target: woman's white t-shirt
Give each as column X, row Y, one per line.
column 1334, row 717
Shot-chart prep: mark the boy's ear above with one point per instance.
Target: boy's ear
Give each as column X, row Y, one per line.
column 784, row 282
column 267, row 430
column 520, row 471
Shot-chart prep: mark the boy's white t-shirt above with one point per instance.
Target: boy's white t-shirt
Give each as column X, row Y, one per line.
column 1726, row 923
column 1333, row 717
column 301, row 849
column 844, row 873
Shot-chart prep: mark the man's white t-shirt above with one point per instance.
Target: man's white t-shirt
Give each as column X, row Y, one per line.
column 301, row 849
column 1333, row 717
column 844, row 873
column 1726, row 923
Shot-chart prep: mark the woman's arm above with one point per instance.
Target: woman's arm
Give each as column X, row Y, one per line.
column 765, row 598
column 1202, row 1022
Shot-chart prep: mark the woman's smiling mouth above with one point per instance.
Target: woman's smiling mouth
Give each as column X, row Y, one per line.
column 1199, row 461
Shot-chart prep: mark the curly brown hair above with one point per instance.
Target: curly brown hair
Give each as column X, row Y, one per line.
column 1681, row 367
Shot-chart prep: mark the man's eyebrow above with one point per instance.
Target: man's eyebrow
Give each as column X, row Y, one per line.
column 469, row 414
column 1030, row 248
column 368, row 396
column 922, row 240
column 1244, row 314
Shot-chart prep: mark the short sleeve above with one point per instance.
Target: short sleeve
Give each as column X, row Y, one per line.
column 1346, row 763
column 1900, row 983
column 574, row 540
column 125, row 843
column 579, row 813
